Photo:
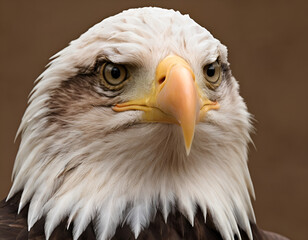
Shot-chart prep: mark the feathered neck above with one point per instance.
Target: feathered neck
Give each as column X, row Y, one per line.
column 127, row 176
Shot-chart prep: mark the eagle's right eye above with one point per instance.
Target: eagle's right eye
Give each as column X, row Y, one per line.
column 113, row 75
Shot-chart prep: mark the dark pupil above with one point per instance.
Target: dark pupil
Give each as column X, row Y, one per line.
column 115, row 72
column 210, row 71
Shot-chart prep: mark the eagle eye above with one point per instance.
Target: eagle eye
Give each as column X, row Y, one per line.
column 113, row 75
column 212, row 74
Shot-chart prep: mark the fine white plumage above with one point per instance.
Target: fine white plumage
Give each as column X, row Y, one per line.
column 81, row 159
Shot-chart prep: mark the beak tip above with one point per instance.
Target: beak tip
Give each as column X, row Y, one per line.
column 188, row 131
column 187, row 150
column 188, row 142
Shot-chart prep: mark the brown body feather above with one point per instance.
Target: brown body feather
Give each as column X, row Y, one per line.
column 14, row 226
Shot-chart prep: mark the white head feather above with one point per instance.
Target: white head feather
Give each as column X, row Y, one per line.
column 80, row 159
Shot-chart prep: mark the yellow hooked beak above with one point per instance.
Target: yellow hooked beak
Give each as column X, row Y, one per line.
column 174, row 98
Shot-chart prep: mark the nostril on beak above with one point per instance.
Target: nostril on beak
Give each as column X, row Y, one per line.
column 161, row 80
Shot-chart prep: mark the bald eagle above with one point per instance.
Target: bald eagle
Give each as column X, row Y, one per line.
column 136, row 130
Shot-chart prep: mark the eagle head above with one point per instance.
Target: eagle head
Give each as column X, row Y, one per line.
column 140, row 114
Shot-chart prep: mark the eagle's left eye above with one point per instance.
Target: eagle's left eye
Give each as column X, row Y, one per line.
column 212, row 74
column 113, row 75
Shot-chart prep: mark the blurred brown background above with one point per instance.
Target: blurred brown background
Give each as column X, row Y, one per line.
column 268, row 50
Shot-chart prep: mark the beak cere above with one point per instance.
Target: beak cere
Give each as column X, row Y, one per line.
column 174, row 98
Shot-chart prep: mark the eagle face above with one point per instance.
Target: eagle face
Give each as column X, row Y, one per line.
column 140, row 114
